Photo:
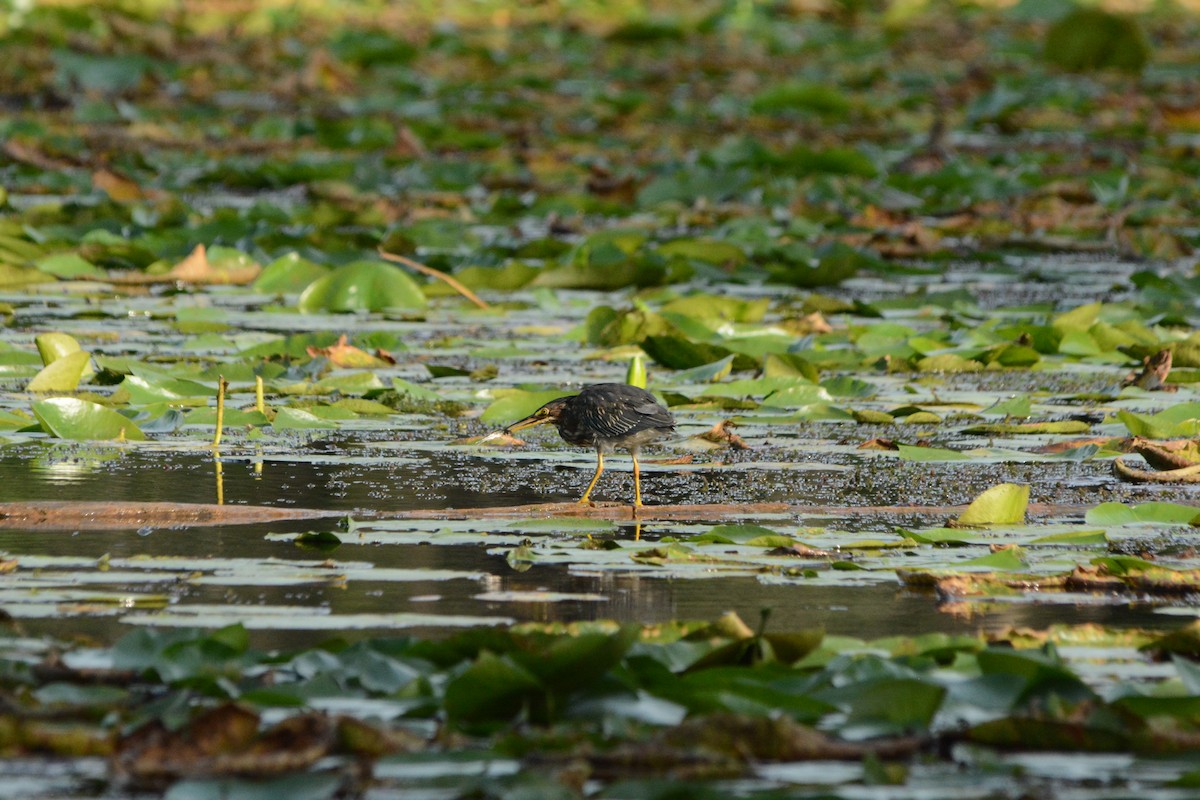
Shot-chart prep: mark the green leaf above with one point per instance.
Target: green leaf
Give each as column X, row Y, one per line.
column 1177, row 421
column 362, row 286
column 62, row 375
column 705, row 373
column 1114, row 514
column 299, row 419
column 827, row 266
column 948, row 362
column 1080, row 538
column 516, row 405
column 53, row 346
column 571, row 663
column 789, row 365
column 1019, row 406
column 909, row 452
column 955, row 537
column 147, row 390
column 493, row 689
column 1061, row 427
column 735, row 534
column 1000, row 505
column 1089, row 39
column 635, row 375
column 888, row 704
column 1079, row 318
column 677, row 352
column 796, row 397
column 802, row 96
column 67, row 265
column 760, row 387
column 1009, row 559
column 288, row 274
column 70, row 418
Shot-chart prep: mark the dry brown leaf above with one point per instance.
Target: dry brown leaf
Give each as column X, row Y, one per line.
column 341, row 354
column 27, row 154
column 1072, row 444
column 118, row 188
column 722, row 434
column 195, row 269
column 809, row 323
column 1154, row 372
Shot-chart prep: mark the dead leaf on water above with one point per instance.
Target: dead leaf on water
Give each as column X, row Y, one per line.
column 343, row 354
column 119, row 188
column 195, row 269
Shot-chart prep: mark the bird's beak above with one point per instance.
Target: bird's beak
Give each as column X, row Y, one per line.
column 528, row 422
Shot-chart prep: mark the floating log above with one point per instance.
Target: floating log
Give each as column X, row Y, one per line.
column 104, row 515
column 67, row 515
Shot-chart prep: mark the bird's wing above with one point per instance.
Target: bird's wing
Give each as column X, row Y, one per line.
column 609, row 419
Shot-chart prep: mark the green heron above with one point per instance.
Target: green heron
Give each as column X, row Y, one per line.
column 606, row 416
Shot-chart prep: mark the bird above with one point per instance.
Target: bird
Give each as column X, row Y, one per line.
column 605, row 416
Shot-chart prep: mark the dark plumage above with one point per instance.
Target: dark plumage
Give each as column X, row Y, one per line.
column 606, row 416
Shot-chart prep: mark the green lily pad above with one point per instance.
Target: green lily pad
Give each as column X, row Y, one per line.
column 362, row 286
column 61, row 375
column 1114, row 514
column 517, row 405
column 299, row 419
column 53, row 346
column 71, row 418
column 1000, row 505
column 289, row 273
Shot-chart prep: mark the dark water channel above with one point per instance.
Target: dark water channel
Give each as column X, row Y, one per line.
column 325, row 474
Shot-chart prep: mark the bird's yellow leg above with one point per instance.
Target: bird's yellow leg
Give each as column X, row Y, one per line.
column 583, row 501
column 637, row 483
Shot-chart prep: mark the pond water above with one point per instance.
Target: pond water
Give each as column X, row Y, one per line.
column 432, row 575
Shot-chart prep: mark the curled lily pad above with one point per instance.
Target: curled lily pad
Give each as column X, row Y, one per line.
column 53, row 346
column 1000, row 505
column 63, row 375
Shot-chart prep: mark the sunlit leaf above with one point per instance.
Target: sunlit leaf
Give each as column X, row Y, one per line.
column 1000, row 505
column 1114, row 514
column 911, row 453
column 362, row 286
column 289, row 273
column 62, row 375
column 69, row 418
column 299, row 419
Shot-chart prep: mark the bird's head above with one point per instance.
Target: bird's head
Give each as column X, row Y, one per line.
column 551, row 412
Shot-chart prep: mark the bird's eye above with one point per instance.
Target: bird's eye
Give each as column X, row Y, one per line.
column 541, row 412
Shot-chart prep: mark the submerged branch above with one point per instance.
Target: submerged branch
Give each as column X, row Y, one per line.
column 449, row 280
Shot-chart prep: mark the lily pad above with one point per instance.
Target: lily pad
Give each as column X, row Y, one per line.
column 362, row 286
column 1000, row 505
column 71, row 418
